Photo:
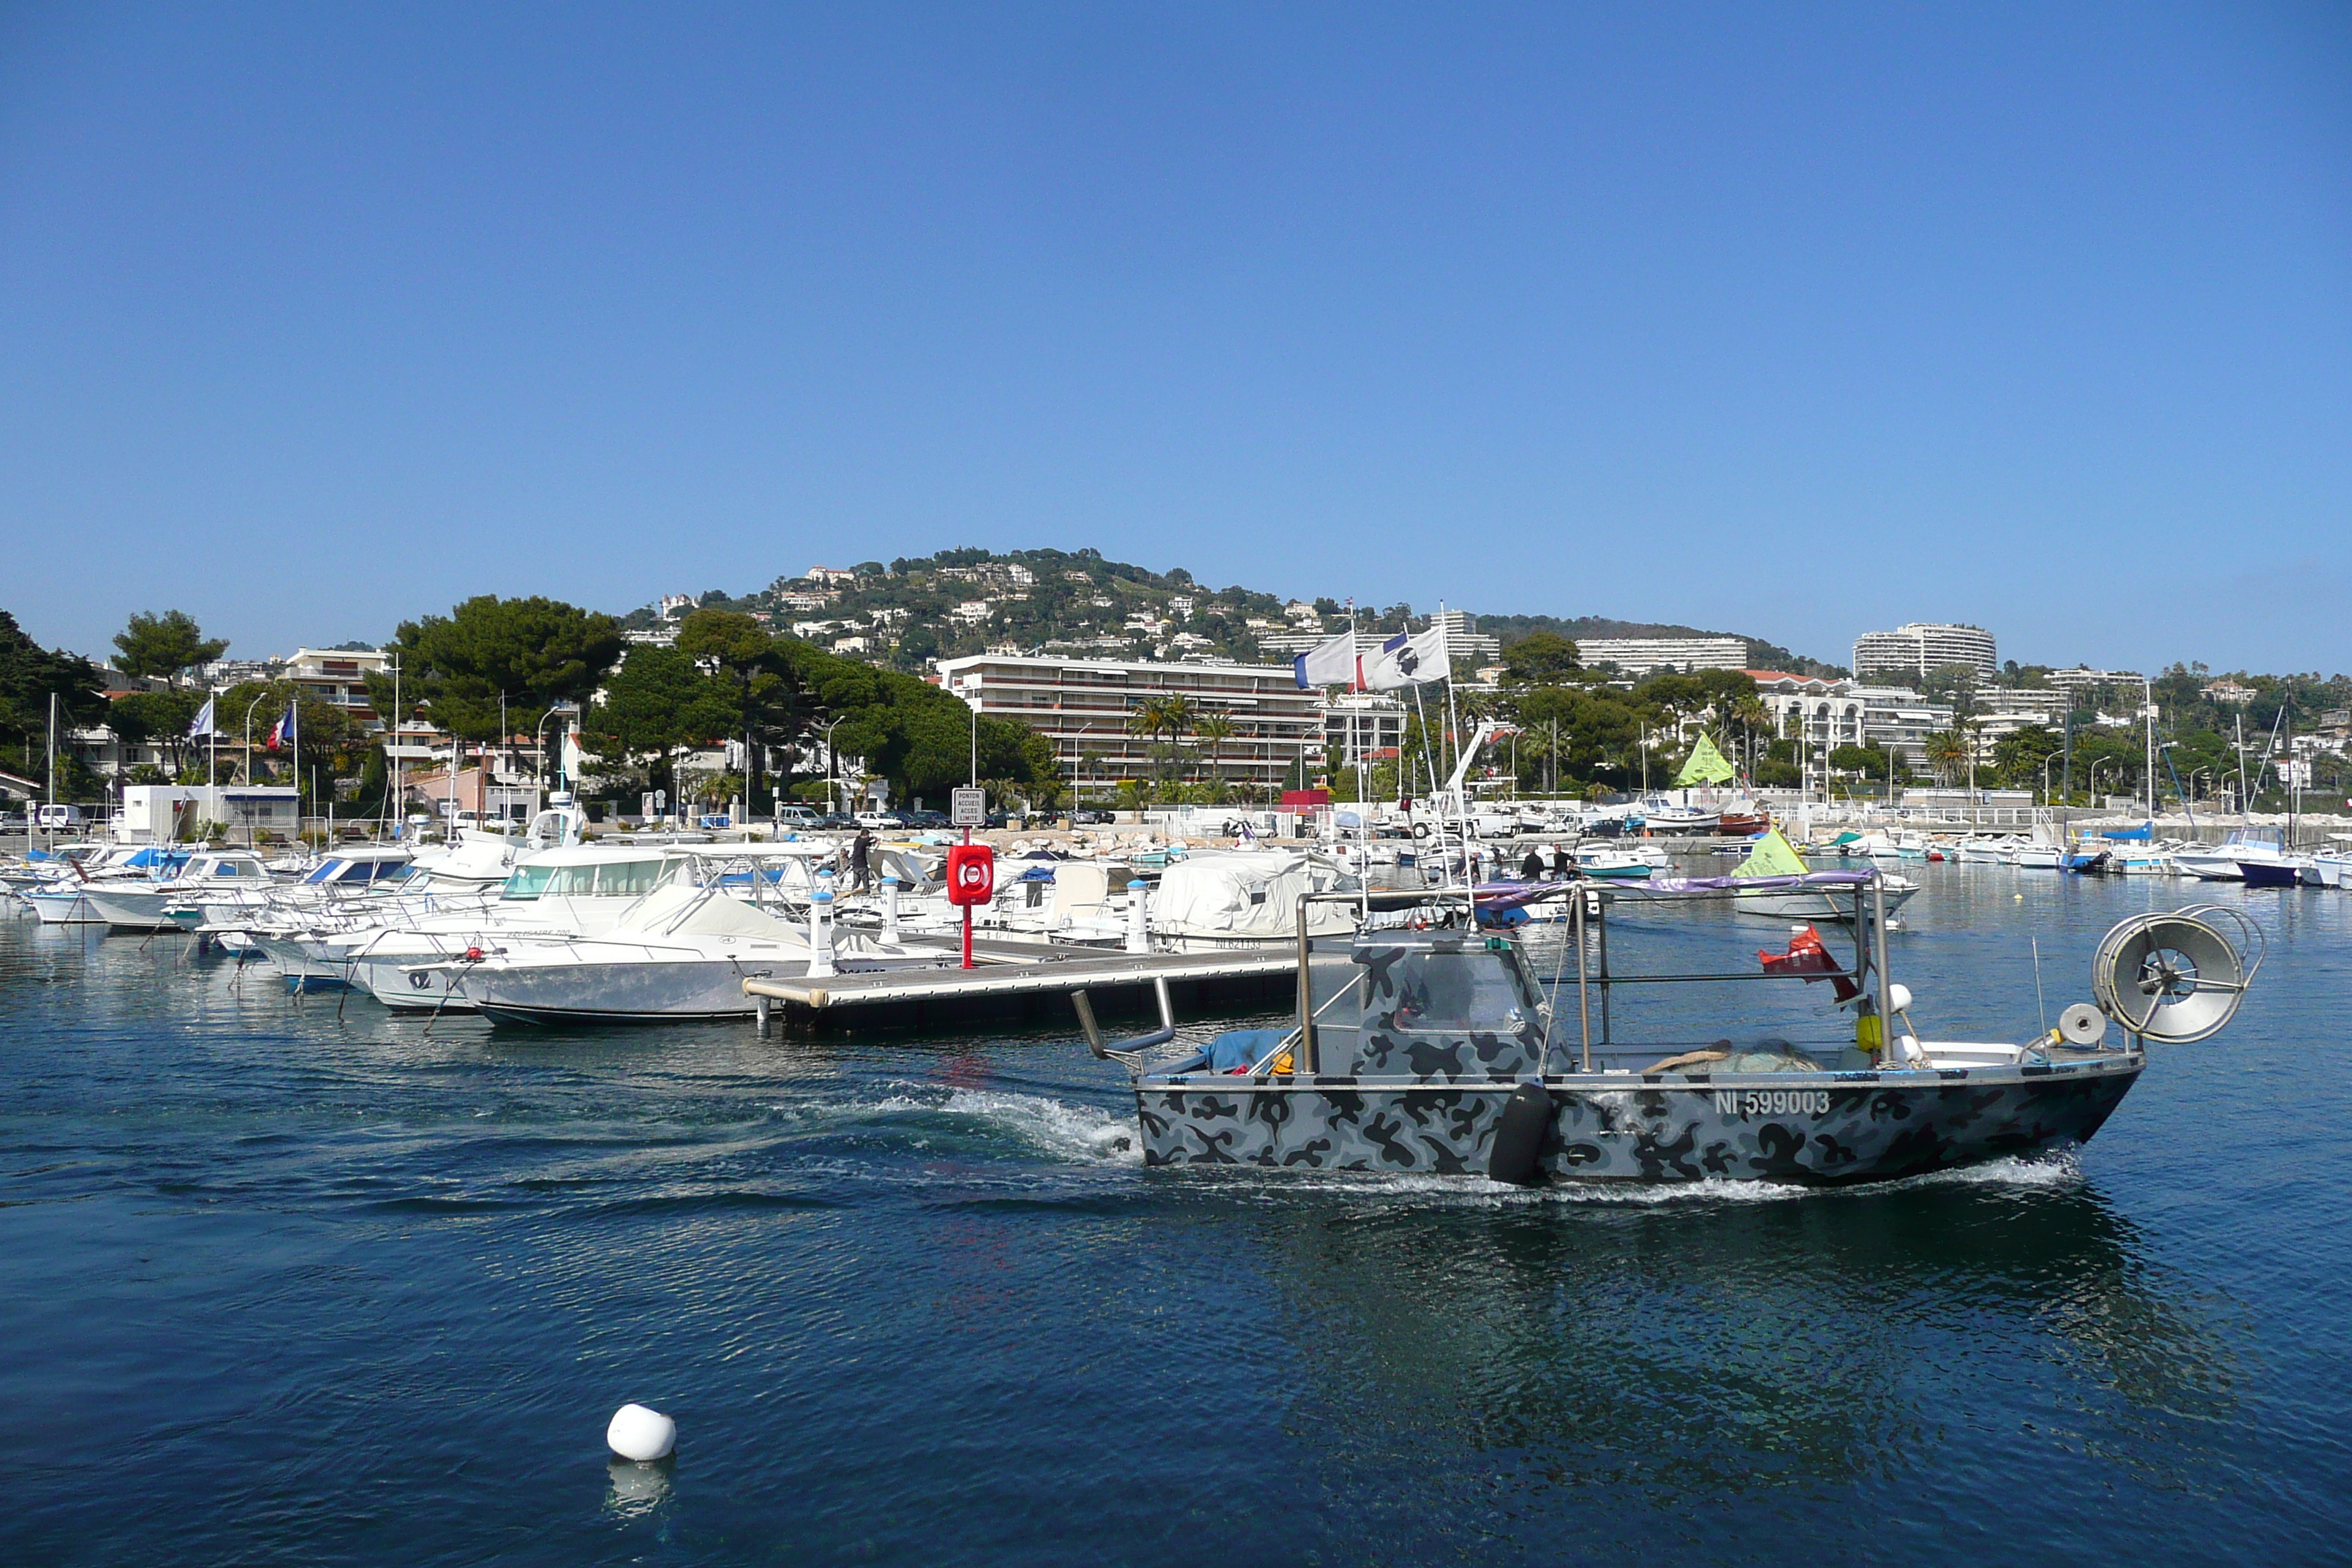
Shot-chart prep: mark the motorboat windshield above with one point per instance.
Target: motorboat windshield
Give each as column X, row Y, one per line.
column 345, row 873
column 602, row 878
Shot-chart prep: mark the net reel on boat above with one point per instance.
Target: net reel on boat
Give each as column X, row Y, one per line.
column 2176, row 977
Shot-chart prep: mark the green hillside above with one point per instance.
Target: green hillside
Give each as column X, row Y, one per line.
column 1075, row 603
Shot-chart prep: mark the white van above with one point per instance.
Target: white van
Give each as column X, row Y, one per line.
column 60, row 816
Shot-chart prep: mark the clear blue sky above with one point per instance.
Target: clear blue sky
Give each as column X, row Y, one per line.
column 1792, row 320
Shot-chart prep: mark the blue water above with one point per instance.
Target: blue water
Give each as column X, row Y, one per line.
column 282, row 1284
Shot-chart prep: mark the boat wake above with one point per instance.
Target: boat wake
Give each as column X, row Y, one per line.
column 2019, row 1171
column 1077, row 1134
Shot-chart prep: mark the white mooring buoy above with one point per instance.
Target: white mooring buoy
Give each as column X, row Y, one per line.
column 639, row 1433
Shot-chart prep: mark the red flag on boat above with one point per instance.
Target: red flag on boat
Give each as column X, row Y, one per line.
column 1809, row 956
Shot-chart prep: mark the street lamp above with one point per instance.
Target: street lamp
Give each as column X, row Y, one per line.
column 829, row 802
column 566, row 709
column 249, row 707
column 2045, row 777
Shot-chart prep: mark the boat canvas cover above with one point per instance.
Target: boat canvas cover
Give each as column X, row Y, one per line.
column 1245, row 893
column 1772, row 857
column 1705, row 765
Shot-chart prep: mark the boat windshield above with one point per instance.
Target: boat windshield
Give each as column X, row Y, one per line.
column 601, row 879
column 526, row 882
column 1438, row 990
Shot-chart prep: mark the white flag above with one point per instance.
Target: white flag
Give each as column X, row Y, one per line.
column 1333, row 663
column 203, row 724
column 1407, row 660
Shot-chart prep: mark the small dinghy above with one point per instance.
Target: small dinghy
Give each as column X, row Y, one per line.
column 1437, row 1046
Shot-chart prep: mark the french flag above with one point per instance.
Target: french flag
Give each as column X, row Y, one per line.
column 281, row 733
column 1334, row 663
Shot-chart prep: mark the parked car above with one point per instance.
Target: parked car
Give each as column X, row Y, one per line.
column 927, row 819
column 1086, row 816
column 832, row 822
column 879, row 821
column 796, row 816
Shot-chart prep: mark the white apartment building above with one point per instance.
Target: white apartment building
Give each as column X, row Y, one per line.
column 1364, row 726
column 1827, row 714
column 1083, row 706
column 339, row 675
column 1642, row 656
column 1464, row 640
column 1918, row 648
column 1297, row 641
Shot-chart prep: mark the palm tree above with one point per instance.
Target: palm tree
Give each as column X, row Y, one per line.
column 1948, row 753
column 1171, row 713
column 1147, row 719
column 1216, row 729
column 1181, row 715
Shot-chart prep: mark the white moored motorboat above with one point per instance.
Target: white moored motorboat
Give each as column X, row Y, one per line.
column 1773, row 856
column 2226, row 861
column 680, row 953
column 176, row 903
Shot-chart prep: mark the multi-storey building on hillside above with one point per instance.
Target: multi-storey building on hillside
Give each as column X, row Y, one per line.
column 1085, row 706
column 1642, row 656
column 1916, row 650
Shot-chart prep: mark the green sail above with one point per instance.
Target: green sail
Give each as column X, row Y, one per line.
column 1705, row 766
column 1772, row 857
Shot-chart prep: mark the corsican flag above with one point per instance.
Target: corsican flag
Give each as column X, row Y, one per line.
column 1407, row 660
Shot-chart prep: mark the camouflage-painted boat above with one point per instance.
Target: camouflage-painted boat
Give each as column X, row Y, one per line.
column 1436, row 1051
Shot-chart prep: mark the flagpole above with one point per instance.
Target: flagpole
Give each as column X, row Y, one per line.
column 1355, row 739
column 1453, row 722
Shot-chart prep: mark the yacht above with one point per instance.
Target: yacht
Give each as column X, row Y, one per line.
column 2227, row 861
column 678, row 954
column 175, row 902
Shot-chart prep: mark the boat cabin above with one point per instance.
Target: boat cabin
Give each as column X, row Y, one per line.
column 359, row 872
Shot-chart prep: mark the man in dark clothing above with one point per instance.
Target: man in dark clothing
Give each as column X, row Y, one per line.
column 1560, row 863
column 1531, row 868
column 861, row 860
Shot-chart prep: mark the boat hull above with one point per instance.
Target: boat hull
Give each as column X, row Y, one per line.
column 688, row 991
column 136, row 911
column 1816, row 1129
column 63, row 909
column 1816, row 906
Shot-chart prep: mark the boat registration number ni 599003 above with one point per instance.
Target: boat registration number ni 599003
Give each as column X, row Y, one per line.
column 1773, row 1102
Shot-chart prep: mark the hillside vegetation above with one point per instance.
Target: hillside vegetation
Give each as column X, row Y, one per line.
column 906, row 611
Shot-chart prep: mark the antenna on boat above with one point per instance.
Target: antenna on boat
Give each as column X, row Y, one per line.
column 2040, row 1004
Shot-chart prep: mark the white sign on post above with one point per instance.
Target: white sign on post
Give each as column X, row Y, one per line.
column 968, row 806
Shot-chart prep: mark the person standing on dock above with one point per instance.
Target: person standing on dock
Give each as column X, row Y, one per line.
column 1559, row 862
column 861, row 861
column 1531, row 869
